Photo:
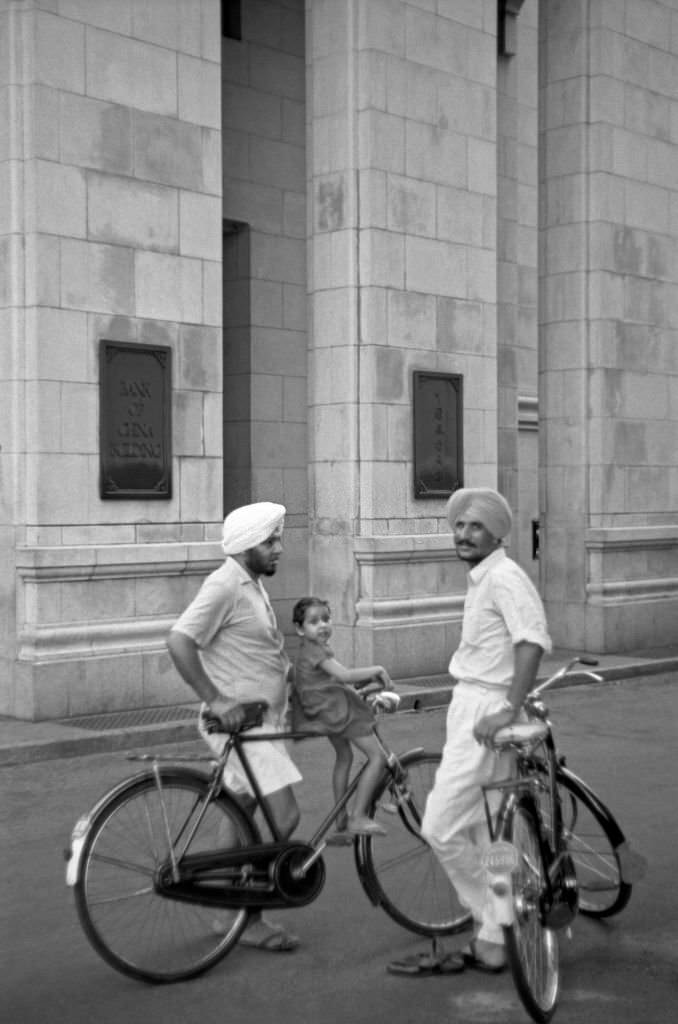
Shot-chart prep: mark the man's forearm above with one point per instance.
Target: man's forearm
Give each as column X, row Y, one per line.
column 184, row 653
column 526, row 665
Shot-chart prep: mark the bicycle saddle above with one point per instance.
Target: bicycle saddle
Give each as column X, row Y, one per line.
column 521, row 733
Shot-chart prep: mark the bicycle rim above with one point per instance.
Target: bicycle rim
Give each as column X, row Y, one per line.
column 601, row 889
column 132, row 926
column 401, row 871
column 531, row 948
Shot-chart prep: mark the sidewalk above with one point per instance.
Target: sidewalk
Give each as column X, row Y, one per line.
column 27, row 742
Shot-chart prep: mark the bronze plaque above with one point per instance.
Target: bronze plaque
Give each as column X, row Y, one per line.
column 135, row 384
column 438, row 418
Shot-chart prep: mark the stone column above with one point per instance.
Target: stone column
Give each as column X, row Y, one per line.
column 402, row 276
column 110, row 229
column 517, row 94
column 609, row 326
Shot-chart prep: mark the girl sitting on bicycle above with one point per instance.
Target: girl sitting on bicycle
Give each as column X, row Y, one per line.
column 324, row 701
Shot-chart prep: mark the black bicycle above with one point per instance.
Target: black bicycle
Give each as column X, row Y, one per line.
column 557, row 851
column 167, row 867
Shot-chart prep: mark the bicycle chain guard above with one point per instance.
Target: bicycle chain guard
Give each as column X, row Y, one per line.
column 258, row 876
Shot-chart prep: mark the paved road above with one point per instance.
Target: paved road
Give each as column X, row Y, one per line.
column 620, row 737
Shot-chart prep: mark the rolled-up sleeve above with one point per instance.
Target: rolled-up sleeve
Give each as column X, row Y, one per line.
column 522, row 610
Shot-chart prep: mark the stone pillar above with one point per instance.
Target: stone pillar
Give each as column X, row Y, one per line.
column 609, row 326
column 402, row 276
column 517, row 93
column 110, row 228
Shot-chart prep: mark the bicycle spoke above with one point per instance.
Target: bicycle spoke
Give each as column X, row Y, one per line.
column 121, row 899
column 124, row 865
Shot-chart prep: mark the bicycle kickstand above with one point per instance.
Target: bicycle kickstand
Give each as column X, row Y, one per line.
column 438, row 953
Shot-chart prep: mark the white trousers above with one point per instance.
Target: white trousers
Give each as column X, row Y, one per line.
column 455, row 824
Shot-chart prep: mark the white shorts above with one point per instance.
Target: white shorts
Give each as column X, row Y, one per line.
column 273, row 767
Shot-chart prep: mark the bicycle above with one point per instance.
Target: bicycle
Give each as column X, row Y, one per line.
column 164, row 851
column 556, row 851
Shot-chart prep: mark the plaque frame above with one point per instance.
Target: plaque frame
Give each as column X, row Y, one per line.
column 437, row 443
column 135, row 421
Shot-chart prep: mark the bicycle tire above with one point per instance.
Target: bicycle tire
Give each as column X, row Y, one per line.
column 400, row 872
column 592, row 838
column 531, row 947
column 131, row 925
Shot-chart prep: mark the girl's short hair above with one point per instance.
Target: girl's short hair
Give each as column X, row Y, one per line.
column 302, row 606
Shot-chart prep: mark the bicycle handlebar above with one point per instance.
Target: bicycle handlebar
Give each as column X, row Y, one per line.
column 565, row 670
column 254, row 716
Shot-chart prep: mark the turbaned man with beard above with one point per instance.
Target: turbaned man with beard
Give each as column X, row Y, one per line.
column 228, row 648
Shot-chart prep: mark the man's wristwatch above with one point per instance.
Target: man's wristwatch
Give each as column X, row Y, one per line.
column 506, row 705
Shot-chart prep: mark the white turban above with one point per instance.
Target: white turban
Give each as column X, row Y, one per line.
column 250, row 525
column 484, row 506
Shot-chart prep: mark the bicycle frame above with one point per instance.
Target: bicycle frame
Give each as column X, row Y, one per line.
column 237, row 743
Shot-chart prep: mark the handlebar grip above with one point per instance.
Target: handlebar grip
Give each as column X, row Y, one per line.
column 254, row 716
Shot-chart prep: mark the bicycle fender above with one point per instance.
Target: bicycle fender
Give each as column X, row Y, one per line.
column 584, row 793
column 73, row 853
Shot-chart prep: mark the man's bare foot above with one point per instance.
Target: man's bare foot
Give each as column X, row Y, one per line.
column 485, row 956
column 361, row 825
column 266, row 935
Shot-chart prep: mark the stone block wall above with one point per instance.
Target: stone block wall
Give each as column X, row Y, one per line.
column 264, row 192
column 517, row 275
column 610, row 322
column 265, row 308
column 110, row 228
column 403, row 193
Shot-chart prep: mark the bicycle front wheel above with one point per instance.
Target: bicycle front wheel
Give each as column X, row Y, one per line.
column 399, row 871
column 531, row 947
column 129, row 922
column 592, row 840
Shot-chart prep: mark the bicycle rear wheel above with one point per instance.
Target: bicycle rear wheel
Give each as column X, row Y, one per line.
column 592, row 843
column 127, row 920
column 400, row 872
column 531, row 947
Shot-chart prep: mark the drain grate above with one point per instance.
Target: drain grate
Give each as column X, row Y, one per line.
column 126, row 719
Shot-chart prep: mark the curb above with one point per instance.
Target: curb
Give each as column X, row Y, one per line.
column 413, row 699
column 113, row 740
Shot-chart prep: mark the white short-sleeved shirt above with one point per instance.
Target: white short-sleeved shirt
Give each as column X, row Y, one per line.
column 234, row 627
column 502, row 608
column 232, row 622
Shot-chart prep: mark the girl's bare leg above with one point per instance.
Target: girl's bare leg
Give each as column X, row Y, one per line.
column 341, row 772
column 375, row 765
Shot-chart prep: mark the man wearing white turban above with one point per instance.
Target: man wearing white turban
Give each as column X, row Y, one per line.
column 228, row 648
column 503, row 637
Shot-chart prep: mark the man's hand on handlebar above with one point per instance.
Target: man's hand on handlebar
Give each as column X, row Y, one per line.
column 488, row 725
column 230, row 713
column 388, row 700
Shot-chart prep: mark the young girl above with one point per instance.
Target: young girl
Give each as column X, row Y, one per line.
column 323, row 701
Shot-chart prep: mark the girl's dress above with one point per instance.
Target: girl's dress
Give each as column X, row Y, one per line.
column 320, row 703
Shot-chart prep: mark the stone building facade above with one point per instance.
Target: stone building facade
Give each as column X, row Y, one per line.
column 305, row 205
